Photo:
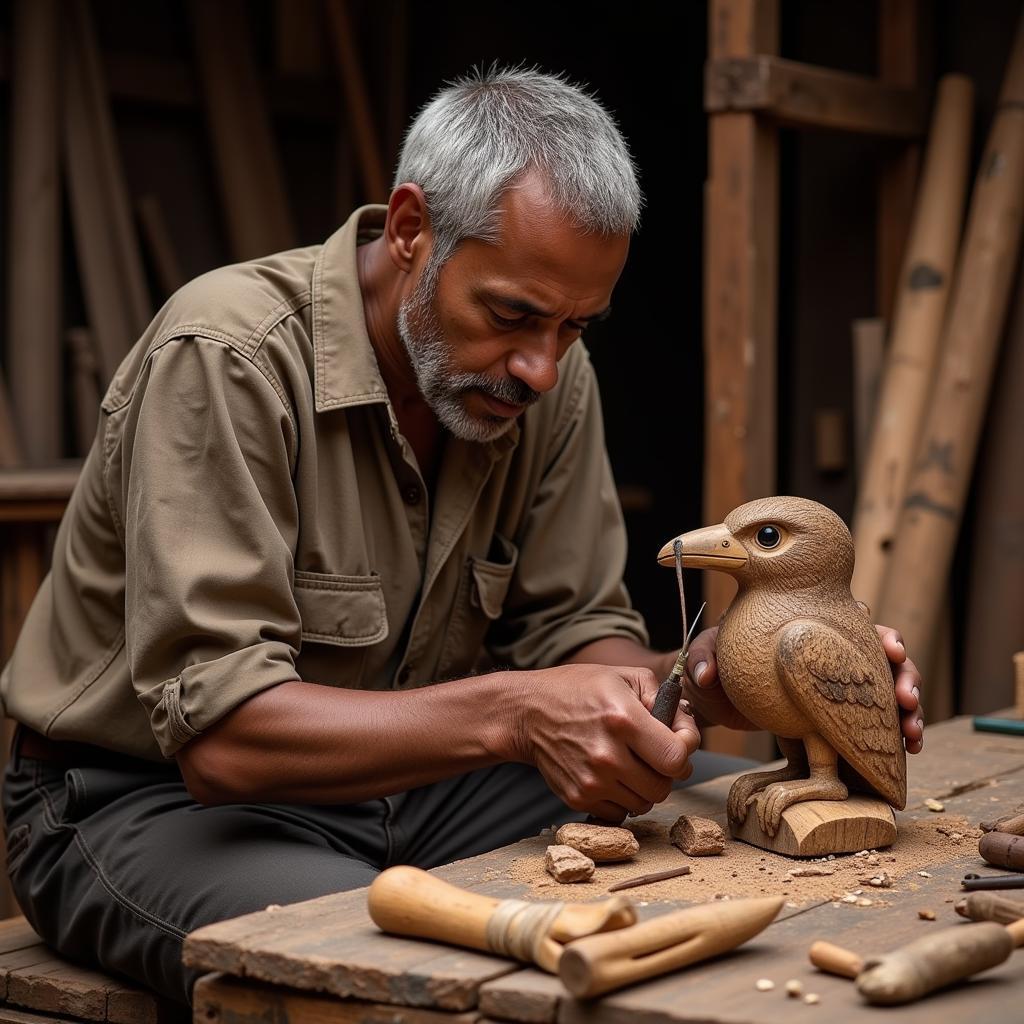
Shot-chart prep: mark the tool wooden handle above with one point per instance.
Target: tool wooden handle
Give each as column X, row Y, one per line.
column 1016, row 930
column 835, row 960
column 1003, row 849
column 407, row 901
column 600, row 963
column 667, row 701
column 933, row 962
column 987, row 906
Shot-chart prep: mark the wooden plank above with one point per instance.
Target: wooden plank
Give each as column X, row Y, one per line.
column 17, row 933
column 55, row 986
column 220, row 997
column 10, row 447
column 899, row 64
column 50, row 483
column 915, row 341
column 806, row 96
column 8, row 1015
column 740, row 284
column 251, row 180
column 34, row 291
column 116, row 296
column 868, row 358
column 995, row 626
column 930, row 519
column 357, row 102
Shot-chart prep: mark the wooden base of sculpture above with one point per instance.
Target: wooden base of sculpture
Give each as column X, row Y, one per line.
column 816, row 828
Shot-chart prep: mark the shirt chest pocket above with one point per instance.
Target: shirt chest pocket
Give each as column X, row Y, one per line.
column 343, row 611
column 480, row 600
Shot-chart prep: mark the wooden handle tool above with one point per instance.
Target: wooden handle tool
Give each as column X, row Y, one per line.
column 922, row 966
column 987, row 906
column 593, row 947
column 597, row 964
column 407, row 901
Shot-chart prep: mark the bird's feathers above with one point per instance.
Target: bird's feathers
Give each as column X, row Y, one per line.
column 846, row 690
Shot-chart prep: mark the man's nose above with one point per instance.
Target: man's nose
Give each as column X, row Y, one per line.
column 535, row 362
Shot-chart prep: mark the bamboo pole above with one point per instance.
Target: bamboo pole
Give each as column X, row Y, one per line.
column 251, row 178
column 916, row 332
column 116, row 295
column 995, row 602
column 927, row 530
column 33, row 294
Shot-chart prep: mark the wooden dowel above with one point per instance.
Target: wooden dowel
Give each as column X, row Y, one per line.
column 34, row 257
column 931, row 514
column 655, row 876
column 835, row 960
column 914, row 342
column 357, row 102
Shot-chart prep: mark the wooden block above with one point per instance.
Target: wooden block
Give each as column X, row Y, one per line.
column 218, row 997
column 17, row 933
column 55, row 986
column 9, row 1015
column 816, row 828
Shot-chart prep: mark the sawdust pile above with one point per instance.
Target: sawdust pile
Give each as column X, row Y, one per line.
column 744, row 870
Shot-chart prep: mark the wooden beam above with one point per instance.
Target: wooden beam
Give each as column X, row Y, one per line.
column 740, row 281
column 251, row 179
column 50, row 483
column 10, row 449
column 116, row 296
column 360, row 118
column 899, row 60
column 34, row 292
column 805, row 96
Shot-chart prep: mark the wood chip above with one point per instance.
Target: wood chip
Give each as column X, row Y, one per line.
column 926, row 915
column 601, row 843
column 794, row 988
column 812, row 998
column 810, row 872
column 566, row 864
column 925, row 874
column 697, row 837
column 934, row 805
column 764, row 984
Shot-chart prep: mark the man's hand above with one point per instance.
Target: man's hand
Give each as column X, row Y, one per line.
column 589, row 731
column 712, row 705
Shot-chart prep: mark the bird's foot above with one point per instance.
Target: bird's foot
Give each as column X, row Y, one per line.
column 774, row 799
column 745, row 789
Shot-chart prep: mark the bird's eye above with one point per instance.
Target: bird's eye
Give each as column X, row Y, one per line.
column 769, row 536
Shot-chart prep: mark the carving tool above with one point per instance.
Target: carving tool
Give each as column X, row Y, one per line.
column 655, row 876
column 1009, row 726
column 593, row 947
column 986, row 906
column 975, row 883
column 671, row 690
column 922, row 966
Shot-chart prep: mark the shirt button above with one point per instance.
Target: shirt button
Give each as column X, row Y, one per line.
column 412, row 494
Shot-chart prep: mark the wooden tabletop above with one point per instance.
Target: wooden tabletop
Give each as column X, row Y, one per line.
column 329, row 945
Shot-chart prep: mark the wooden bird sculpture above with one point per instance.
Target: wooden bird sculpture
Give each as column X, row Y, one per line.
column 797, row 655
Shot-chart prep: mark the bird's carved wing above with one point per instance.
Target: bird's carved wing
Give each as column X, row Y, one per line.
column 847, row 692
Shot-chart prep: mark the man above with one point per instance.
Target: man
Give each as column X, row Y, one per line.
column 324, row 482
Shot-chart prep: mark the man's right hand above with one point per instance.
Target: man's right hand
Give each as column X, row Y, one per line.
column 588, row 729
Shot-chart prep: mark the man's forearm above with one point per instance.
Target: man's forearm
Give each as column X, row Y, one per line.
column 305, row 743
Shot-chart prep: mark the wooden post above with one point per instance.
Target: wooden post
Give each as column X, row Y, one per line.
column 926, row 536
column 251, row 180
column 10, row 450
column 33, row 293
column 85, row 390
column 360, row 118
column 157, row 237
column 868, row 359
column 916, row 333
column 116, row 296
column 995, row 597
column 740, row 282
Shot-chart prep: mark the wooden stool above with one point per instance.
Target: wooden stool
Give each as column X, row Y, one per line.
column 35, row 981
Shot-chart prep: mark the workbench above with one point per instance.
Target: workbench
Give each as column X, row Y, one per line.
column 324, row 960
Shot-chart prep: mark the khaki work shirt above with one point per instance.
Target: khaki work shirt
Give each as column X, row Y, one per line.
column 250, row 514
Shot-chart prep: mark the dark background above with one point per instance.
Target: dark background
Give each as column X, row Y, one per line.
column 645, row 62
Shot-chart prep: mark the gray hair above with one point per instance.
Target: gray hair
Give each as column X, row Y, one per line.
column 467, row 146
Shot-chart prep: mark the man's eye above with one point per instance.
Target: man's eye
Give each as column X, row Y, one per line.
column 504, row 321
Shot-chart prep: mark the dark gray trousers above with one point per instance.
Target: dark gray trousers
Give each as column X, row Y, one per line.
column 114, row 863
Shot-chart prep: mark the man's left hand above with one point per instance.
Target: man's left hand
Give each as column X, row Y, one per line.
column 713, row 707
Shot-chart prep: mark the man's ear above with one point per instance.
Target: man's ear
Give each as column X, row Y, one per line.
column 407, row 228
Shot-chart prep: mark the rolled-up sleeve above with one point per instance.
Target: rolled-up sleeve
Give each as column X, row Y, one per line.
column 567, row 590
column 210, row 525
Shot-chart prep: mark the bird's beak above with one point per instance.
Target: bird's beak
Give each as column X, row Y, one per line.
column 712, row 547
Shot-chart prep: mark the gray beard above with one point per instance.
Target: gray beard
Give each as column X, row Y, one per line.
column 443, row 388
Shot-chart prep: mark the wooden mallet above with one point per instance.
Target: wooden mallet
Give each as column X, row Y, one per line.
column 593, row 947
column 924, row 965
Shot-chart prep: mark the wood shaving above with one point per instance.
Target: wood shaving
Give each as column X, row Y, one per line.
column 764, row 984
column 926, row 915
column 934, row 805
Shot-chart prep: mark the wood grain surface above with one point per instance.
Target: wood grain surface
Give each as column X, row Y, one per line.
column 330, row 945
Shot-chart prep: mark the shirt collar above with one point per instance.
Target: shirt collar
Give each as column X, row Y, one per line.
column 345, row 369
